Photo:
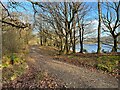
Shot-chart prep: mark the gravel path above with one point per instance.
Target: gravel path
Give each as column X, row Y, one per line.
column 73, row 76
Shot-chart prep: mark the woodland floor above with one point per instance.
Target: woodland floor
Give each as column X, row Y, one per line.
column 60, row 74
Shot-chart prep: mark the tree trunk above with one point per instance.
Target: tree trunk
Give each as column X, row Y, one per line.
column 82, row 38
column 66, row 44
column 115, row 45
column 41, row 43
column 81, row 43
column 67, row 27
column 99, row 27
column 74, row 41
column 71, row 41
column 45, row 41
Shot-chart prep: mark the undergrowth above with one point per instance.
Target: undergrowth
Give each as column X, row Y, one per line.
column 108, row 63
column 11, row 72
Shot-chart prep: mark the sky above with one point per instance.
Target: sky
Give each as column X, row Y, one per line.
column 62, row 0
column 93, row 13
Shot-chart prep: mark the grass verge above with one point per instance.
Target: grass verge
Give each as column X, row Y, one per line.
column 11, row 72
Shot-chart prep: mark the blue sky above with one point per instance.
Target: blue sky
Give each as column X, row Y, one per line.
column 29, row 9
column 93, row 14
column 63, row 0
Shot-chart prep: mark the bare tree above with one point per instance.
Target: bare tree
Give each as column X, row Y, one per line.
column 111, row 20
column 12, row 4
column 82, row 24
column 99, row 26
column 63, row 17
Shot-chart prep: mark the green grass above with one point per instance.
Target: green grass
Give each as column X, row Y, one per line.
column 108, row 63
column 71, row 56
column 105, row 63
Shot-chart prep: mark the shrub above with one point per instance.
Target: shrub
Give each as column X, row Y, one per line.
column 84, row 50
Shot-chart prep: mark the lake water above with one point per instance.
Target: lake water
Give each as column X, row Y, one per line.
column 93, row 48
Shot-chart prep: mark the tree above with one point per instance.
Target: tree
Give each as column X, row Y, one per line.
column 12, row 4
column 82, row 24
column 14, row 37
column 99, row 26
column 63, row 17
column 111, row 20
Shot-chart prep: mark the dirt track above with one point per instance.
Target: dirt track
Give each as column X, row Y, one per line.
column 73, row 76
